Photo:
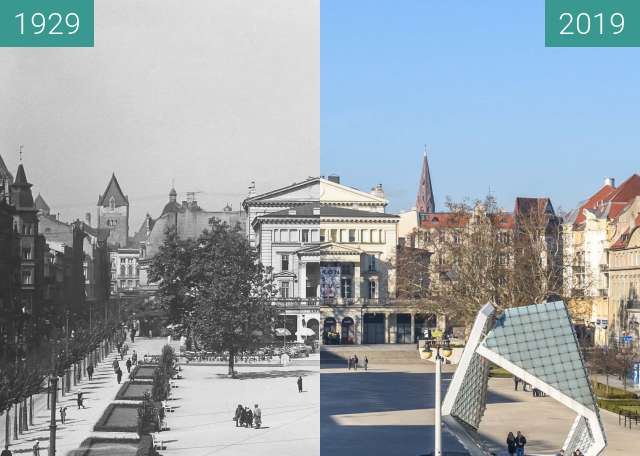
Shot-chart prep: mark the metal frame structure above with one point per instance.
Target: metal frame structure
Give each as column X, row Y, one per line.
column 538, row 344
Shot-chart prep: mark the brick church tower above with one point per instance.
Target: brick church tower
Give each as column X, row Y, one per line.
column 113, row 214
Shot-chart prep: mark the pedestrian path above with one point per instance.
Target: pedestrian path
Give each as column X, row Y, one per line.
column 98, row 394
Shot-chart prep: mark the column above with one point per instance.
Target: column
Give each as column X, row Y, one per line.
column 356, row 281
column 302, row 279
column 298, row 328
column 386, row 328
column 413, row 327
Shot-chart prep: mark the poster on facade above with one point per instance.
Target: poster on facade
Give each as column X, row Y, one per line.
column 329, row 282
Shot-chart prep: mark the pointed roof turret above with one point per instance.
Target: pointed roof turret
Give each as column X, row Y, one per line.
column 114, row 191
column 42, row 205
column 21, row 196
column 172, row 205
column 425, row 202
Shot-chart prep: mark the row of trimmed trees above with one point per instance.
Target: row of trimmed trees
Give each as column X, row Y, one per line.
column 25, row 375
column 217, row 289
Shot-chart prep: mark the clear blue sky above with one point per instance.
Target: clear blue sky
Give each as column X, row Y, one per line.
column 474, row 81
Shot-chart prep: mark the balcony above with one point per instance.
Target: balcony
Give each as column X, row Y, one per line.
column 352, row 302
column 298, row 303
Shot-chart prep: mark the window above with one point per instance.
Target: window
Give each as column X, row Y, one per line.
column 373, row 289
column 26, row 253
column 137, row 272
column 112, row 203
column 130, row 270
column 375, row 236
column 27, row 278
column 364, row 236
column 371, row 263
column 333, row 235
column 284, row 289
column 305, row 235
column 284, row 235
column 293, row 236
column 344, row 236
column 122, row 260
column 352, row 235
column 322, row 235
column 276, row 235
column 345, row 287
column 129, row 283
column 122, row 270
column 285, row 262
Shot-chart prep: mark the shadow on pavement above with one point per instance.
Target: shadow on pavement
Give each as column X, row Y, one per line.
column 267, row 374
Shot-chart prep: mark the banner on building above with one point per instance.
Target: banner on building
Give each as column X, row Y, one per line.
column 329, row 282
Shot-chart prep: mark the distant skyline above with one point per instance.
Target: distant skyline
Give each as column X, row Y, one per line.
column 212, row 96
column 475, row 83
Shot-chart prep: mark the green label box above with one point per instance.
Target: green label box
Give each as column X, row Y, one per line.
column 592, row 23
column 46, row 23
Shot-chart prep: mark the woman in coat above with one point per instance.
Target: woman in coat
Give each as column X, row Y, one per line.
column 511, row 444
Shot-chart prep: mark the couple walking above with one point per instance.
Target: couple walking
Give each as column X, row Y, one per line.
column 515, row 444
column 353, row 362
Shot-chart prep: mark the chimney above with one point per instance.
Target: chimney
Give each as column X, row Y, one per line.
column 610, row 181
column 87, row 218
column 252, row 189
column 334, row 178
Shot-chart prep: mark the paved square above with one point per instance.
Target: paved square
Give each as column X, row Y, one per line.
column 206, row 400
column 390, row 410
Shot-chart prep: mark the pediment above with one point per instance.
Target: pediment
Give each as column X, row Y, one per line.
column 330, row 248
column 306, row 191
column 331, row 192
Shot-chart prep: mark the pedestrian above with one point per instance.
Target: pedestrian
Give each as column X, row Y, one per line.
column 6, row 451
column 119, row 375
column 134, row 358
column 115, row 364
column 238, row 416
column 257, row 416
column 133, row 335
column 561, row 453
column 36, row 448
column 366, row 362
column 63, row 414
column 129, row 365
column 150, row 334
column 349, row 363
column 521, row 441
column 511, row 444
column 578, row 453
column 249, row 415
column 516, row 381
column 80, row 400
column 355, row 362
column 300, row 384
column 90, row 371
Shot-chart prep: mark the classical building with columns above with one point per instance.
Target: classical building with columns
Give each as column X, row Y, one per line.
column 284, row 225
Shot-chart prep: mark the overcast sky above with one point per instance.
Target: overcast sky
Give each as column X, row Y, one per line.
column 213, row 94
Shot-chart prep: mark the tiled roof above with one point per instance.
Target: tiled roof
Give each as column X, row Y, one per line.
column 113, row 190
column 610, row 201
column 444, row 220
column 598, row 198
column 526, row 205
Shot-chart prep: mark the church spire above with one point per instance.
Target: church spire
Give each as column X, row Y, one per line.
column 424, row 201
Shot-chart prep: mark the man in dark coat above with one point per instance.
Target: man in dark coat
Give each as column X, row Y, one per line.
column 521, row 441
column 129, row 365
column 6, row 451
column 90, row 371
column 300, row 384
column 119, row 374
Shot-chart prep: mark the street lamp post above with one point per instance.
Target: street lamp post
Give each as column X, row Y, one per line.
column 440, row 356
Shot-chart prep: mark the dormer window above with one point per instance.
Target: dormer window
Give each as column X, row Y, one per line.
column 112, row 203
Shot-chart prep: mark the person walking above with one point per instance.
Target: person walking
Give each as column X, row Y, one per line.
column 249, row 417
column 238, row 416
column 116, row 365
column 36, row 448
column 134, row 358
column 355, row 362
column 300, row 384
column 133, row 335
column 511, row 444
column 119, row 375
column 521, row 441
column 90, row 371
column 128, row 365
column 80, row 400
column 257, row 416
column 366, row 362
column 6, row 451
column 63, row 414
